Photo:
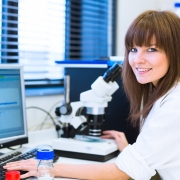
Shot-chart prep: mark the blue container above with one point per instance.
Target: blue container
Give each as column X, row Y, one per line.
column 176, row 4
column 45, row 154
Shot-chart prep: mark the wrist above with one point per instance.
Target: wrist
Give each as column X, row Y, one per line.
column 56, row 170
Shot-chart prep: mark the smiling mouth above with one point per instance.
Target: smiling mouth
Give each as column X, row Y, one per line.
column 143, row 69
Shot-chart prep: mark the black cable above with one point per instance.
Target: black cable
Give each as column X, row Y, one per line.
column 54, row 118
column 34, row 107
column 55, row 125
column 15, row 148
column 49, row 112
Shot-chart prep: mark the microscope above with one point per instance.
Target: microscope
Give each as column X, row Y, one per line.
column 80, row 133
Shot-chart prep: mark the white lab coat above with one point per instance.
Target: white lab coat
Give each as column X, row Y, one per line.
column 158, row 145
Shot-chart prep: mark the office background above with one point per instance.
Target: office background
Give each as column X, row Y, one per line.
column 116, row 15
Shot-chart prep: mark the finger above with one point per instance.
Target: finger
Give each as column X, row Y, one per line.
column 114, row 134
column 106, row 136
column 121, row 134
column 106, row 132
column 119, row 137
column 9, row 168
column 15, row 162
column 21, row 161
column 20, row 167
column 13, row 167
column 28, row 174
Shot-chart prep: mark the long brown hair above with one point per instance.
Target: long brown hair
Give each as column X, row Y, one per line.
column 165, row 27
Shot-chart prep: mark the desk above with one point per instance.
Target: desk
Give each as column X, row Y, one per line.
column 75, row 161
column 78, row 161
column 39, row 140
column 72, row 161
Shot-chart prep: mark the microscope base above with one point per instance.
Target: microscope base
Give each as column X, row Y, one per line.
column 84, row 156
column 95, row 151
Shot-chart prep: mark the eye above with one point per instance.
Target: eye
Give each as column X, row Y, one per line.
column 152, row 50
column 133, row 50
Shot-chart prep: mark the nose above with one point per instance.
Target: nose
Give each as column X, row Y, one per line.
column 139, row 57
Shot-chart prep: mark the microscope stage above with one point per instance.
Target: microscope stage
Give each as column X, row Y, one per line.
column 86, row 147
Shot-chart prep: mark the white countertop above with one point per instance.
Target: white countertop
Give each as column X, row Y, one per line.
column 40, row 138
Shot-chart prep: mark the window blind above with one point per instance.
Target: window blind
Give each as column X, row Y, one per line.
column 33, row 34
column 91, row 27
column 38, row 32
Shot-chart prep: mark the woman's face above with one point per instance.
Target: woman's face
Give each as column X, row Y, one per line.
column 149, row 64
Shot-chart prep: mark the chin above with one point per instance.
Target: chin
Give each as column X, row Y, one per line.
column 142, row 82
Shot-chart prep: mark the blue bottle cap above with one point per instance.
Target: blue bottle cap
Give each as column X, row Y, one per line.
column 177, row 4
column 45, row 154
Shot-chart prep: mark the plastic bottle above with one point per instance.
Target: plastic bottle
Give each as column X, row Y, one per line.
column 45, row 168
column 12, row 175
column 177, row 8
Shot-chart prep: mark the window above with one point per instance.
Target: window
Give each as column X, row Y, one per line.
column 38, row 32
column 91, row 27
column 41, row 36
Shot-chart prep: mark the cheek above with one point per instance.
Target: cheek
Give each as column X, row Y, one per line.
column 165, row 69
column 163, row 65
column 131, row 62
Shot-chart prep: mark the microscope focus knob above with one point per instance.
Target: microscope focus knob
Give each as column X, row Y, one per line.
column 57, row 111
column 65, row 109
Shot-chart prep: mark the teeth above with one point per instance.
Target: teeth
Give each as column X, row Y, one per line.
column 142, row 70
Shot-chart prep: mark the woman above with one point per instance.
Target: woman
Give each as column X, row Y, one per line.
column 151, row 74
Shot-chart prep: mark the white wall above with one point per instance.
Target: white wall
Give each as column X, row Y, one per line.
column 128, row 10
column 35, row 117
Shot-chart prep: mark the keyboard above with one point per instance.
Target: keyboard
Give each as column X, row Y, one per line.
column 16, row 155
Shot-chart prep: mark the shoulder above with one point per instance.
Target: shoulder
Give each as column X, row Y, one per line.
column 165, row 108
column 171, row 97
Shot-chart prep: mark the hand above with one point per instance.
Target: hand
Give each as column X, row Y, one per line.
column 29, row 165
column 118, row 136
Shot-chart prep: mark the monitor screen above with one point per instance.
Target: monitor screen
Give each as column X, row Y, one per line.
column 13, row 125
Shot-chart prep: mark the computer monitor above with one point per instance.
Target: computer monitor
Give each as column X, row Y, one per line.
column 13, row 124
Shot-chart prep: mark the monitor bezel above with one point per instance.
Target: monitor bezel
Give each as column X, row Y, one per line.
column 20, row 139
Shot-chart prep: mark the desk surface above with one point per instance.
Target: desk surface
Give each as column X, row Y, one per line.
column 61, row 159
column 77, row 161
column 74, row 161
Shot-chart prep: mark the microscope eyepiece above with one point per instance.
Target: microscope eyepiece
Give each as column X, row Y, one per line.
column 113, row 73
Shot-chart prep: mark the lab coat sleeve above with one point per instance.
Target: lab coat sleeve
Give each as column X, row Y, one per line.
column 156, row 147
column 131, row 162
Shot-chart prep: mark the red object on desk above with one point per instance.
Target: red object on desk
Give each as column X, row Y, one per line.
column 12, row 175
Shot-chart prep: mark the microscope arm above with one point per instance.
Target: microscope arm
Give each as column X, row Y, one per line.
column 95, row 101
column 75, row 119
